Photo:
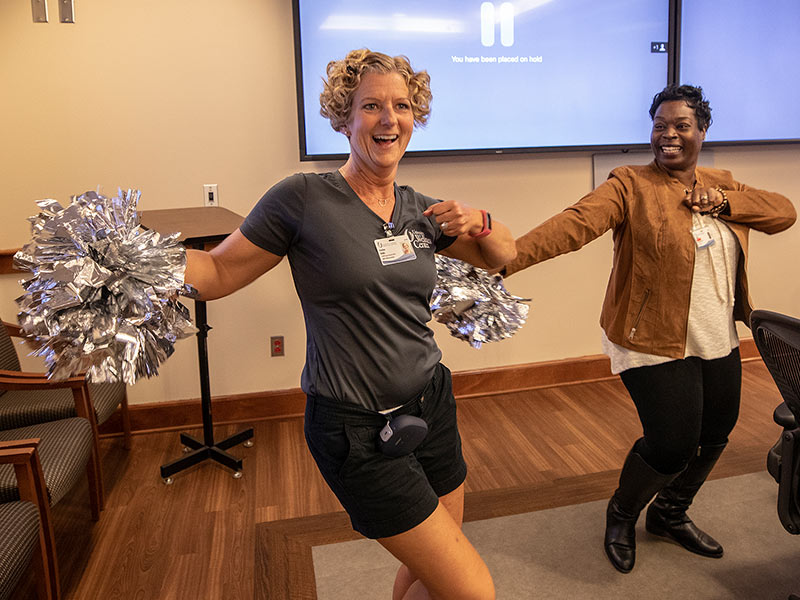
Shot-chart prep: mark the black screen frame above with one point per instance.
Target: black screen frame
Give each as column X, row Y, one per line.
column 673, row 69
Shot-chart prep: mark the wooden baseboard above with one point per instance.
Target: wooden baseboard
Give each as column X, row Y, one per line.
column 186, row 414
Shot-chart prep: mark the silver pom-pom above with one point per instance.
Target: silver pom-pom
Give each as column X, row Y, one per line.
column 475, row 305
column 102, row 299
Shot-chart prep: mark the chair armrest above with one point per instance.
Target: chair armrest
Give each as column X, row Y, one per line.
column 12, row 444
column 20, row 380
column 16, row 331
column 18, row 454
column 784, row 417
column 13, row 330
column 10, row 380
column 28, row 374
column 23, row 454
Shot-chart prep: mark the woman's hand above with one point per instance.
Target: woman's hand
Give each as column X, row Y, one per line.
column 703, row 199
column 459, row 220
column 455, row 218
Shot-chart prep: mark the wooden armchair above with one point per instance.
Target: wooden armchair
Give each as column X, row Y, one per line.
column 67, row 446
column 26, row 530
column 28, row 398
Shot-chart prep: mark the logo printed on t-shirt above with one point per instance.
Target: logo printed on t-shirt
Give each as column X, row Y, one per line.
column 418, row 238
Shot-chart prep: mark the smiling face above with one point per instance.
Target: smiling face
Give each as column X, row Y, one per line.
column 381, row 122
column 676, row 138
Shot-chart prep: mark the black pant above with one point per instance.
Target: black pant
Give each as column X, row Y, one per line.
column 683, row 404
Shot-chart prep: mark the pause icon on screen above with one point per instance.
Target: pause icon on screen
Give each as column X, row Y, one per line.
column 505, row 18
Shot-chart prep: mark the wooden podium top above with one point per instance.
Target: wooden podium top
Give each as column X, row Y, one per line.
column 198, row 225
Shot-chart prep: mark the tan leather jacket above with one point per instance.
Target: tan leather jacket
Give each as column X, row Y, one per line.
column 646, row 305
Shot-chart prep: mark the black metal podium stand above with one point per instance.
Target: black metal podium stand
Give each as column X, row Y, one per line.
column 199, row 228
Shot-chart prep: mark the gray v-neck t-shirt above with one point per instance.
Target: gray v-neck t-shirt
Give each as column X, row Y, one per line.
column 367, row 339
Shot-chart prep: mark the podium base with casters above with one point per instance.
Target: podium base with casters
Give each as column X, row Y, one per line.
column 198, row 451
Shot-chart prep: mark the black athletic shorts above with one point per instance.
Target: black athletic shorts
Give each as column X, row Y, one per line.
column 382, row 495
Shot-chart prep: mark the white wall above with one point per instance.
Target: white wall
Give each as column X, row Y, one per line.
column 167, row 96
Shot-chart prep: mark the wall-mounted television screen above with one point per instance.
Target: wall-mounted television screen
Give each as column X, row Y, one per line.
column 530, row 75
column 745, row 56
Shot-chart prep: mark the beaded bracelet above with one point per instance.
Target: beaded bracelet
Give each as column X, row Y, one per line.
column 719, row 208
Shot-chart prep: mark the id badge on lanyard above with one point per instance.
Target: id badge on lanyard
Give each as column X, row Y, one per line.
column 394, row 249
column 703, row 238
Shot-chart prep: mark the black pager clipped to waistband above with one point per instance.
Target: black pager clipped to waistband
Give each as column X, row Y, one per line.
column 402, row 434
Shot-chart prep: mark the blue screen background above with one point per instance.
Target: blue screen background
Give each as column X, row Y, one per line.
column 745, row 55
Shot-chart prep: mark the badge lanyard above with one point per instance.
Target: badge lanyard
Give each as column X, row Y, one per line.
column 704, row 238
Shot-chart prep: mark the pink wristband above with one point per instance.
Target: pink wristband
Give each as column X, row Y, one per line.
column 487, row 226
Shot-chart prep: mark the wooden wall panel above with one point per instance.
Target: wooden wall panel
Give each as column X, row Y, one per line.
column 182, row 414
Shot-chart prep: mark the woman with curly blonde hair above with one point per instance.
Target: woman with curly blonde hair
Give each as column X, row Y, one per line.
column 344, row 77
column 380, row 414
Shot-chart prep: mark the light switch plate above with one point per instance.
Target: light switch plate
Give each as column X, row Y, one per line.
column 66, row 11
column 39, row 9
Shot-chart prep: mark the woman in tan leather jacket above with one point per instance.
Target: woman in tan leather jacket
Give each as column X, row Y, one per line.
column 678, row 282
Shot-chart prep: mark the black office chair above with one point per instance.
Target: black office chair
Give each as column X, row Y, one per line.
column 777, row 338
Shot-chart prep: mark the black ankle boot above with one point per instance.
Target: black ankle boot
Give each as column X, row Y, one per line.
column 620, row 541
column 638, row 482
column 667, row 516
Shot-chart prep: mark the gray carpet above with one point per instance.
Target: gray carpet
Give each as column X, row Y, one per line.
column 557, row 554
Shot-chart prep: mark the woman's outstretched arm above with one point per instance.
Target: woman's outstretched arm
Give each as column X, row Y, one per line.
column 230, row 266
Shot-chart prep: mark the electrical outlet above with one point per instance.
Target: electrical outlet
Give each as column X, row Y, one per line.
column 276, row 345
column 210, row 194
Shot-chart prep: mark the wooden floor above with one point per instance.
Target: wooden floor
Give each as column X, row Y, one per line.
column 209, row 536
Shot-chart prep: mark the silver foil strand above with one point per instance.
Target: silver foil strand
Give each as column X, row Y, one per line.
column 475, row 305
column 102, row 298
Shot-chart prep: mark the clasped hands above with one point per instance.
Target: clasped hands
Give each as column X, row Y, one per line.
column 703, row 199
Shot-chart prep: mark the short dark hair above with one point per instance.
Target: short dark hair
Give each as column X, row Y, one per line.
column 693, row 96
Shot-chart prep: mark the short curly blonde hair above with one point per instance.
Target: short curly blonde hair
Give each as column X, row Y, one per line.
column 344, row 77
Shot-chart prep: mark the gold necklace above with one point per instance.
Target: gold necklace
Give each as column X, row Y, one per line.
column 384, row 201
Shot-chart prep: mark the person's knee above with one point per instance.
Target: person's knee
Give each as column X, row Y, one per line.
column 673, row 462
column 477, row 584
column 485, row 591
column 667, row 458
column 479, row 588
column 403, row 581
